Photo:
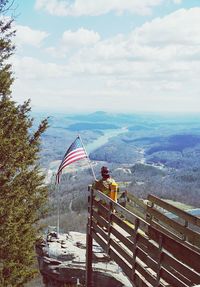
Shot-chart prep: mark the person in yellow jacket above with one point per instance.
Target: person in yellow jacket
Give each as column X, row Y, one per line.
column 106, row 184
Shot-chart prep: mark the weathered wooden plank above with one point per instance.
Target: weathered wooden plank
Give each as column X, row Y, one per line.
column 173, row 280
column 139, row 252
column 115, row 218
column 168, row 262
column 144, row 257
column 104, row 211
column 137, row 201
column 143, row 242
column 192, row 235
column 127, row 214
column 100, row 231
column 126, row 241
column 171, row 208
column 126, row 269
column 102, row 221
column 101, row 208
column 178, row 250
column 146, row 274
column 140, row 271
column 175, row 237
column 181, row 270
column 122, row 238
column 122, row 253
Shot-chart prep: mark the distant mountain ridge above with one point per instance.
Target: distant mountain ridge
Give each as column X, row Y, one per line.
column 105, row 117
column 91, row 126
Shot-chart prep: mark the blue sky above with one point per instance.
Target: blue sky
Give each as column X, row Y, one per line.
column 121, row 56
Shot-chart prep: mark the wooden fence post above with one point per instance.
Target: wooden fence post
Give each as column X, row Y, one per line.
column 134, row 249
column 109, row 225
column 89, row 240
column 159, row 261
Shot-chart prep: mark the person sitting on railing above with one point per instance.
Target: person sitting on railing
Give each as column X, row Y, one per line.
column 106, row 184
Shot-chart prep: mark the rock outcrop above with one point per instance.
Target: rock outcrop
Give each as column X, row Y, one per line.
column 62, row 262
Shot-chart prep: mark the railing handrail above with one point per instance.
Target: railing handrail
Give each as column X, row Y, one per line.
column 118, row 207
column 173, row 209
column 184, row 226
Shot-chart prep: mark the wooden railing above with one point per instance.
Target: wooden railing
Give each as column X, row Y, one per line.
column 147, row 254
column 179, row 224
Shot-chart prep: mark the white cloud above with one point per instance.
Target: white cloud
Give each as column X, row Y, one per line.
column 73, row 41
column 175, row 37
column 81, row 37
column 97, row 7
column 26, row 35
column 156, row 64
column 30, row 68
column 181, row 27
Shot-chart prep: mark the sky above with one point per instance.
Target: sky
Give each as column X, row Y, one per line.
column 111, row 55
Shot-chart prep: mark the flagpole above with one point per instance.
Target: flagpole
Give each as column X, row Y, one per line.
column 89, row 162
column 58, row 208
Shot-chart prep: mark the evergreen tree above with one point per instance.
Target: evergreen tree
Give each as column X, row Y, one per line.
column 22, row 192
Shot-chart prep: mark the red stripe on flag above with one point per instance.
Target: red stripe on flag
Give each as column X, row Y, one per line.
column 74, row 153
column 72, row 156
column 71, row 160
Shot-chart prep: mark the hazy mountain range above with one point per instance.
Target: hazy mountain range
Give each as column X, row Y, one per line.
column 160, row 152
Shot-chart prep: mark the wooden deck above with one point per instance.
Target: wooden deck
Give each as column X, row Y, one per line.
column 151, row 249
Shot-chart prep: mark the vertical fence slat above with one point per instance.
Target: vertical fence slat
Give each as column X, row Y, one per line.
column 159, row 261
column 109, row 226
column 134, row 249
column 89, row 240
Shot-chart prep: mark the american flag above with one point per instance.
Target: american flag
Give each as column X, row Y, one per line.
column 75, row 152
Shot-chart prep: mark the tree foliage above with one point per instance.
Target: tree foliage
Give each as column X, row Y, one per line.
column 22, row 192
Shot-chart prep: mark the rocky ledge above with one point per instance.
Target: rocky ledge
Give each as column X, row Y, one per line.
column 62, row 262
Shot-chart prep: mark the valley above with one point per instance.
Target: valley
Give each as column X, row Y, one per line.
column 146, row 154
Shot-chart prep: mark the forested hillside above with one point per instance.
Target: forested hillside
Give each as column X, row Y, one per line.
column 155, row 154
